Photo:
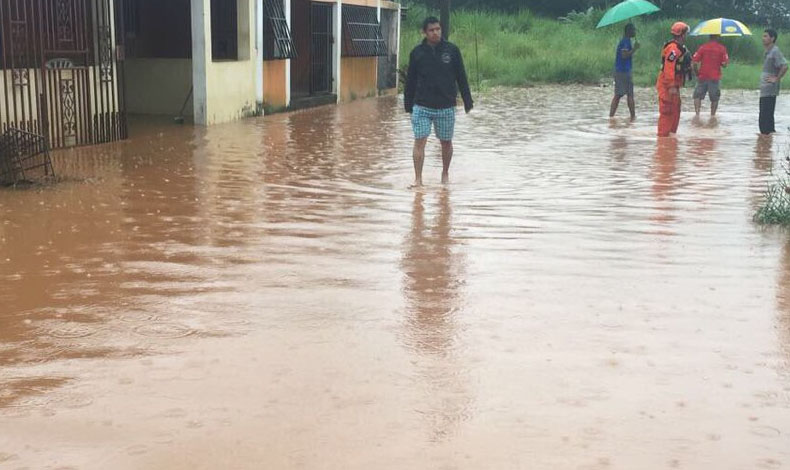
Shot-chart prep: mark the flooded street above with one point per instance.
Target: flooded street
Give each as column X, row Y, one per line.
column 268, row 294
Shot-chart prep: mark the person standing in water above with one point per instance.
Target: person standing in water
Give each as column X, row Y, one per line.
column 623, row 77
column 674, row 68
column 708, row 61
column 774, row 68
column 436, row 73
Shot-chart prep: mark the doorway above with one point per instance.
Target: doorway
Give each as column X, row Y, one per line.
column 312, row 80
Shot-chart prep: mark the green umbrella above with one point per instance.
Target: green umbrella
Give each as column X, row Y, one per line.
column 627, row 10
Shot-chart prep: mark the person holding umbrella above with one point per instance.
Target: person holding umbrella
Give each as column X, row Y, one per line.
column 674, row 68
column 712, row 56
column 708, row 61
column 623, row 79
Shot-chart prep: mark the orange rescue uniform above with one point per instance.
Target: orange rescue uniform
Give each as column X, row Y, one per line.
column 669, row 82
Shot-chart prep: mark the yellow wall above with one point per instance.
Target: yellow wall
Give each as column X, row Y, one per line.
column 274, row 83
column 230, row 85
column 358, row 78
column 364, row 3
column 158, row 86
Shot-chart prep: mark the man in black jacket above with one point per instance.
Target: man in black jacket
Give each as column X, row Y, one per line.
column 436, row 72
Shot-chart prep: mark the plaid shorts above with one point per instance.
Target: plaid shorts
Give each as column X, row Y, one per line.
column 443, row 120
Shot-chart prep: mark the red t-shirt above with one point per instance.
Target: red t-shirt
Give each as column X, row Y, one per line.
column 711, row 55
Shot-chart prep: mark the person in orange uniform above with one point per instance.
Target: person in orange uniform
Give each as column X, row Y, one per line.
column 674, row 61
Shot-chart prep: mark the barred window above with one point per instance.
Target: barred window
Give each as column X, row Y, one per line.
column 277, row 41
column 362, row 33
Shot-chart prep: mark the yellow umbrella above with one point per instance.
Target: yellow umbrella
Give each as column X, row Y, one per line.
column 721, row 27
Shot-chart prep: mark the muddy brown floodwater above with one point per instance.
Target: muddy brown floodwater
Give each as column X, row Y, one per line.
column 268, row 294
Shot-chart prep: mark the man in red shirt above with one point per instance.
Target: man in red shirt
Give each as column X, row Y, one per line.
column 671, row 79
column 708, row 61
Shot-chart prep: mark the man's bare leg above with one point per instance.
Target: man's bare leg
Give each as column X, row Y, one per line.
column 714, row 105
column 419, row 158
column 632, row 106
column 697, row 106
column 447, row 157
column 613, row 107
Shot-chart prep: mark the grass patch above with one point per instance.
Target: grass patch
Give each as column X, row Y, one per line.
column 776, row 208
column 520, row 49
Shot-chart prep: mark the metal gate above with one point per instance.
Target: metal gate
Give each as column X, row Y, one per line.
column 321, row 48
column 60, row 75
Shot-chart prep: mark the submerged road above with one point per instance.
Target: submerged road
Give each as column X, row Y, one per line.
column 268, row 294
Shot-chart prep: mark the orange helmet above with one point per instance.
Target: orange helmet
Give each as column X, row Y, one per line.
column 680, row 28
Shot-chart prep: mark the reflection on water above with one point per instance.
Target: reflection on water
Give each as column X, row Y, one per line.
column 269, row 294
column 763, row 154
column 433, row 285
column 433, row 276
column 664, row 184
column 703, row 148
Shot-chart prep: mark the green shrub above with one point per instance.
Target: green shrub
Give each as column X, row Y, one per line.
column 776, row 208
column 519, row 48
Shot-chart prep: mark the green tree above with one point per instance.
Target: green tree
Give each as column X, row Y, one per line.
column 766, row 12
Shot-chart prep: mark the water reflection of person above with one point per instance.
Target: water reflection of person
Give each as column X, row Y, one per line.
column 431, row 276
column 618, row 149
column 763, row 153
column 703, row 148
column 762, row 176
column 664, row 168
column 432, row 271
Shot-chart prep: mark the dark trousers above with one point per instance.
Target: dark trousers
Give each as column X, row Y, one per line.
column 767, row 108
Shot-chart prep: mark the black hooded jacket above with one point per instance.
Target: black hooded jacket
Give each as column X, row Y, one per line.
column 435, row 76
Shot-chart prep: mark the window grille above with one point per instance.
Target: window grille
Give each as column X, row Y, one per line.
column 278, row 43
column 362, row 33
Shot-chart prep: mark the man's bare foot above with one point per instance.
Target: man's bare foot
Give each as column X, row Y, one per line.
column 416, row 185
column 445, row 178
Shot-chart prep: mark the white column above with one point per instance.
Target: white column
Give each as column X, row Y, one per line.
column 201, row 57
column 259, row 54
column 378, row 17
column 288, row 62
column 337, row 45
column 397, row 35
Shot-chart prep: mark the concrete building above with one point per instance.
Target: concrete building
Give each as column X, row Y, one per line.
column 74, row 69
column 60, row 74
column 336, row 51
